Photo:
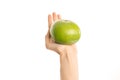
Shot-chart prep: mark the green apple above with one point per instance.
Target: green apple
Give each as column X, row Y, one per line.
column 65, row 32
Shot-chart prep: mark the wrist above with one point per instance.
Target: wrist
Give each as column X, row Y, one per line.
column 69, row 51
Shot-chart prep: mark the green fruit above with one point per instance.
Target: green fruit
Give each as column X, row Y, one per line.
column 65, row 32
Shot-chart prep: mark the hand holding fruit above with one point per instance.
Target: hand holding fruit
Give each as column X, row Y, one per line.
column 53, row 42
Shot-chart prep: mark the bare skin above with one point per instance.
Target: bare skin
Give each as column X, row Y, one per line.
column 68, row 53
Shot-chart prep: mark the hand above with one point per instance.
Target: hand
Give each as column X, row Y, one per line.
column 50, row 43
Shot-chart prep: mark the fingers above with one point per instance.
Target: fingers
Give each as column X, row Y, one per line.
column 49, row 21
column 59, row 16
column 47, row 37
column 54, row 16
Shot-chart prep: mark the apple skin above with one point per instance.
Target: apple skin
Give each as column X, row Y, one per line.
column 65, row 32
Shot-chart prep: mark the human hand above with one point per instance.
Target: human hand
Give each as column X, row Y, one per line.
column 50, row 43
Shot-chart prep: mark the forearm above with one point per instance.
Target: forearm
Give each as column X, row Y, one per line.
column 69, row 66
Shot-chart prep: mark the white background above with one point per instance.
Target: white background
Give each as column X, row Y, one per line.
column 23, row 25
